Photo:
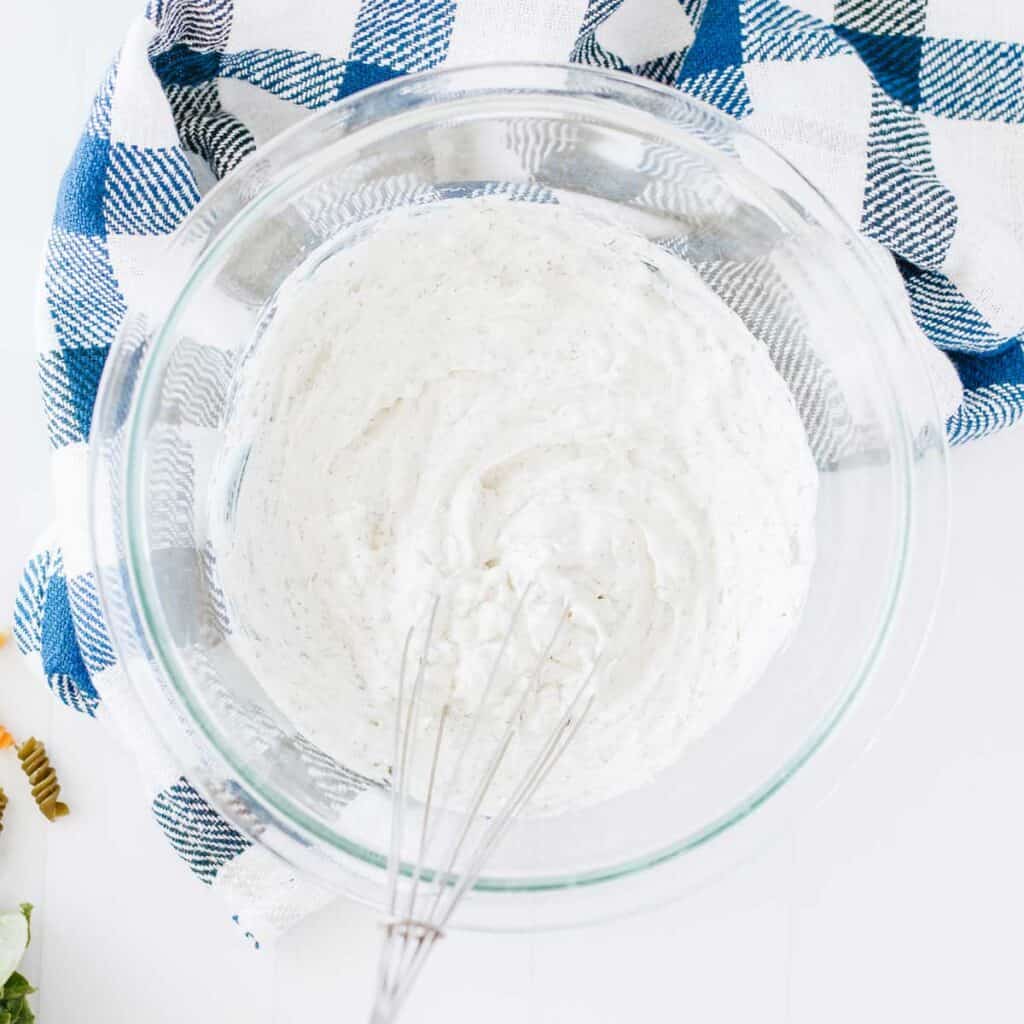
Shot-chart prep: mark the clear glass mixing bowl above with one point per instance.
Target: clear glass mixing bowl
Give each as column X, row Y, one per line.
column 761, row 237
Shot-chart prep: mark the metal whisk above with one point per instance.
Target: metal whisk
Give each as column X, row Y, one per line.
column 418, row 916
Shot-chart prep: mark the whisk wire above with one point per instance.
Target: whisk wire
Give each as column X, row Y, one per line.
column 409, row 936
column 408, row 950
column 549, row 754
column 404, row 760
column 396, row 805
column 515, row 722
column 560, row 737
column 455, row 775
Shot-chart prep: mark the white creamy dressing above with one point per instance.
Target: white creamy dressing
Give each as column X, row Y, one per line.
column 486, row 394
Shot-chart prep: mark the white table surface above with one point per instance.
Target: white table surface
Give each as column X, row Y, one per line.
column 900, row 899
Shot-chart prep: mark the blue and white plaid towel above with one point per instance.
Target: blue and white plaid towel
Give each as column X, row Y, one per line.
column 906, row 113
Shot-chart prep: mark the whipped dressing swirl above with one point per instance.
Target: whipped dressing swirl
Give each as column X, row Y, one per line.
column 481, row 396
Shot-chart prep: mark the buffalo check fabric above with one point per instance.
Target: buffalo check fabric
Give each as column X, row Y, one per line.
column 907, row 114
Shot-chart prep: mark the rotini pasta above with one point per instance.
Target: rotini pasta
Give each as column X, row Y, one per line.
column 6, row 739
column 43, row 779
column 3, row 807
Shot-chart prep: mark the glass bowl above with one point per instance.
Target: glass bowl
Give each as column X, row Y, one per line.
column 761, row 237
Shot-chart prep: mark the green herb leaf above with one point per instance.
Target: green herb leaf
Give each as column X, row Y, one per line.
column 17, row 985
column 15, row 989
column 24, row 1014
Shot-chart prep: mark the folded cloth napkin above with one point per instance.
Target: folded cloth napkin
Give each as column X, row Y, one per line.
column 906, row 113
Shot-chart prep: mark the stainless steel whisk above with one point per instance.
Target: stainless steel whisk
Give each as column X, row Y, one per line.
column 418, row 916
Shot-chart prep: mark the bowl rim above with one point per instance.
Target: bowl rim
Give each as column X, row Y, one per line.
column 140, row 585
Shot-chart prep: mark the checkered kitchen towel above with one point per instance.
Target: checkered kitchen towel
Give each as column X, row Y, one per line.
column 906, row 113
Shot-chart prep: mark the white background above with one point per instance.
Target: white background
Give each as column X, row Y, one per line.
column 901, row 899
